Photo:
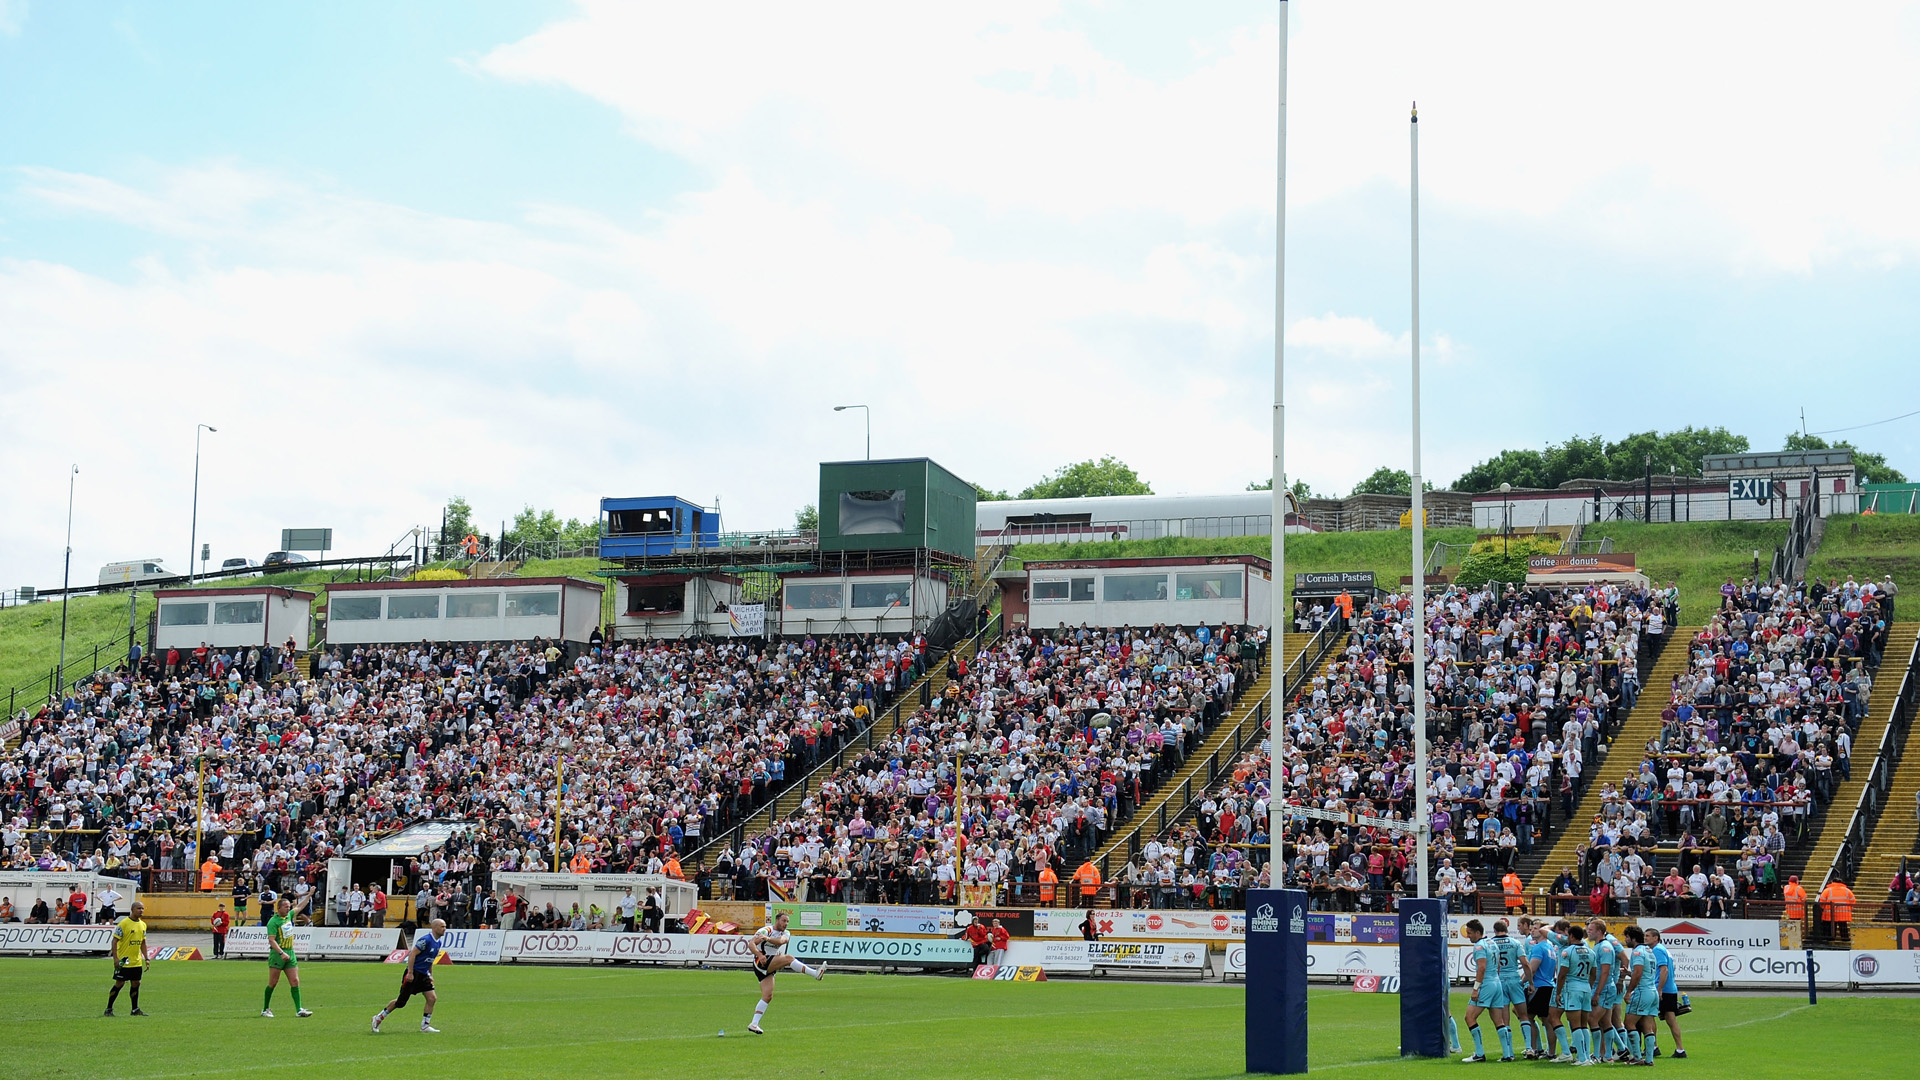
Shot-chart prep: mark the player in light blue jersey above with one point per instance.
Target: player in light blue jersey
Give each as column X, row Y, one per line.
column 1489, row 992
column 1511, row 953
column 1575, row 974
column 1604, row 1017
column 1669, row 997
column 1642, row 997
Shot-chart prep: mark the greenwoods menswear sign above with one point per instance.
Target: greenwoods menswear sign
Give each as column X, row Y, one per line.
column 1334, row 581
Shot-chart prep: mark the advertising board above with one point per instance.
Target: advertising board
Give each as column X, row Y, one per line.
column 318, row 941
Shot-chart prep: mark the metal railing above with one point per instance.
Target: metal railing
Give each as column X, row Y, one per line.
column 1251, row 729
column 32, row 695
column 1049, row 532
column 1846, row 862
column 914, row 695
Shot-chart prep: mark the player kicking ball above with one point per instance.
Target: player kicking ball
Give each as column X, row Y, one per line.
column 417, row 978
column 280, row 958
column 769, row 948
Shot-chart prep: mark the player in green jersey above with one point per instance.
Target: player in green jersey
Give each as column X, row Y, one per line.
column 280, row 958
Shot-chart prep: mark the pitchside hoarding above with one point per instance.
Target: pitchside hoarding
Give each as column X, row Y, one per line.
column 318, row 941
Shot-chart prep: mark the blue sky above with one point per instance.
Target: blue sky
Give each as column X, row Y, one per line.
column 539, row 253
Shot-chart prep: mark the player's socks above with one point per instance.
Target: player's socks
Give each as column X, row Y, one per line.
column 759, row 1010
column 1580, row 1044
column 1478, row 1049
column 1453, row 1033
column 133, row 995
column 1526, row 1034
column 1506, row 1040
column 1566, row 1039
column 296, row 998
column 1653, row 1046
column 1633, row 1041
column 266, row 1002
column 426, row 1021
column 801, row 968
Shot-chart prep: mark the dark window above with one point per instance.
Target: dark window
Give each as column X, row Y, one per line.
column 639, row 522
column 656, row 599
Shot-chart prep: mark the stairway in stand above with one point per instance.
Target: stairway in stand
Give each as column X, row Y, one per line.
column 1896, row 827
column 1641, row 725
column 1113, row 854
column 483, row 570
column 788, row 801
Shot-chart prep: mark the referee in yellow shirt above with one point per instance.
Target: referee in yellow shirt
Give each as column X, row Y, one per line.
column 129, row 956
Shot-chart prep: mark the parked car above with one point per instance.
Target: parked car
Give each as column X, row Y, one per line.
column 285, row 558
column 231, row 565
column 133, row 570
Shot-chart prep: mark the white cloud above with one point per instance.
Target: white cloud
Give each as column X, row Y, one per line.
column 1743, row 134
column 13, row 16
column 365, row 361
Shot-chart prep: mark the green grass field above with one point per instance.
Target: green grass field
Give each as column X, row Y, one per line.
column 1869, row 547
column 606, row 1022
column 1699, row 555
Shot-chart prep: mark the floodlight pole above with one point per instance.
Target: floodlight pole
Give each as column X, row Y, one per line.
column 1421, row 815
column 193, row 533
column 1276, row 712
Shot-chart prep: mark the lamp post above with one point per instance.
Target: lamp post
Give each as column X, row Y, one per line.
column 1506, row 517
column 869, row 417
column 66, row 575
column 193, row 531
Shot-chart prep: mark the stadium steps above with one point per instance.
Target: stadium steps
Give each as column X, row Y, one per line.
column 1896, row 827
column 1641, row 725
column 484, row 570
column 787, row 801
column 1170, row 798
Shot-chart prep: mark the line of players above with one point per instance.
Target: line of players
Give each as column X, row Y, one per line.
column 1601, row 999
column 129, row 953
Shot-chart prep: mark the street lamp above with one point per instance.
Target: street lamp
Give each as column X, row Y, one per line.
column 869, row 416
column 1506, row 517
column 193, row 532
column 66, row 576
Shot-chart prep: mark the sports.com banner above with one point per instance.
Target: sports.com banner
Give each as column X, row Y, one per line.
column 57, row 937
column 1149, row 924
column 318, row 941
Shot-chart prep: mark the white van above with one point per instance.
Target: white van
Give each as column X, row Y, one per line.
column 120, row 573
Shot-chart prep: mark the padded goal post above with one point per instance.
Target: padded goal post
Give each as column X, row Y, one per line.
column 1276, row 981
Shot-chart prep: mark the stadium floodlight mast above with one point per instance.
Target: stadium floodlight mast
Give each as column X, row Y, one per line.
column 868, row 413
column 1417, row 518
column 193, row 532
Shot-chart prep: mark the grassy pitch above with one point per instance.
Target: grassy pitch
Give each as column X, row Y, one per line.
column 520, row 1020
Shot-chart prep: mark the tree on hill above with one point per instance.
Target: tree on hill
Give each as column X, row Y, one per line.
column 1084, row 479
column 1873, row 467
column 1300, row 488
column 457, row 518
column 1385, row 481
column 1593, row 458
column 544, row 526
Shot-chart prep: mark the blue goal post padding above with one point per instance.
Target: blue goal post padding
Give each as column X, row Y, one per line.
column 1276, row 981
column 1423, row 977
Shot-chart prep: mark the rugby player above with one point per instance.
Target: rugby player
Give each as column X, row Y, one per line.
column 280, row 958
column 1643, row 996
column 1576, row 974
column 417, row 977
column 1669, row 998
column 129, row 956
column 769, row 948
